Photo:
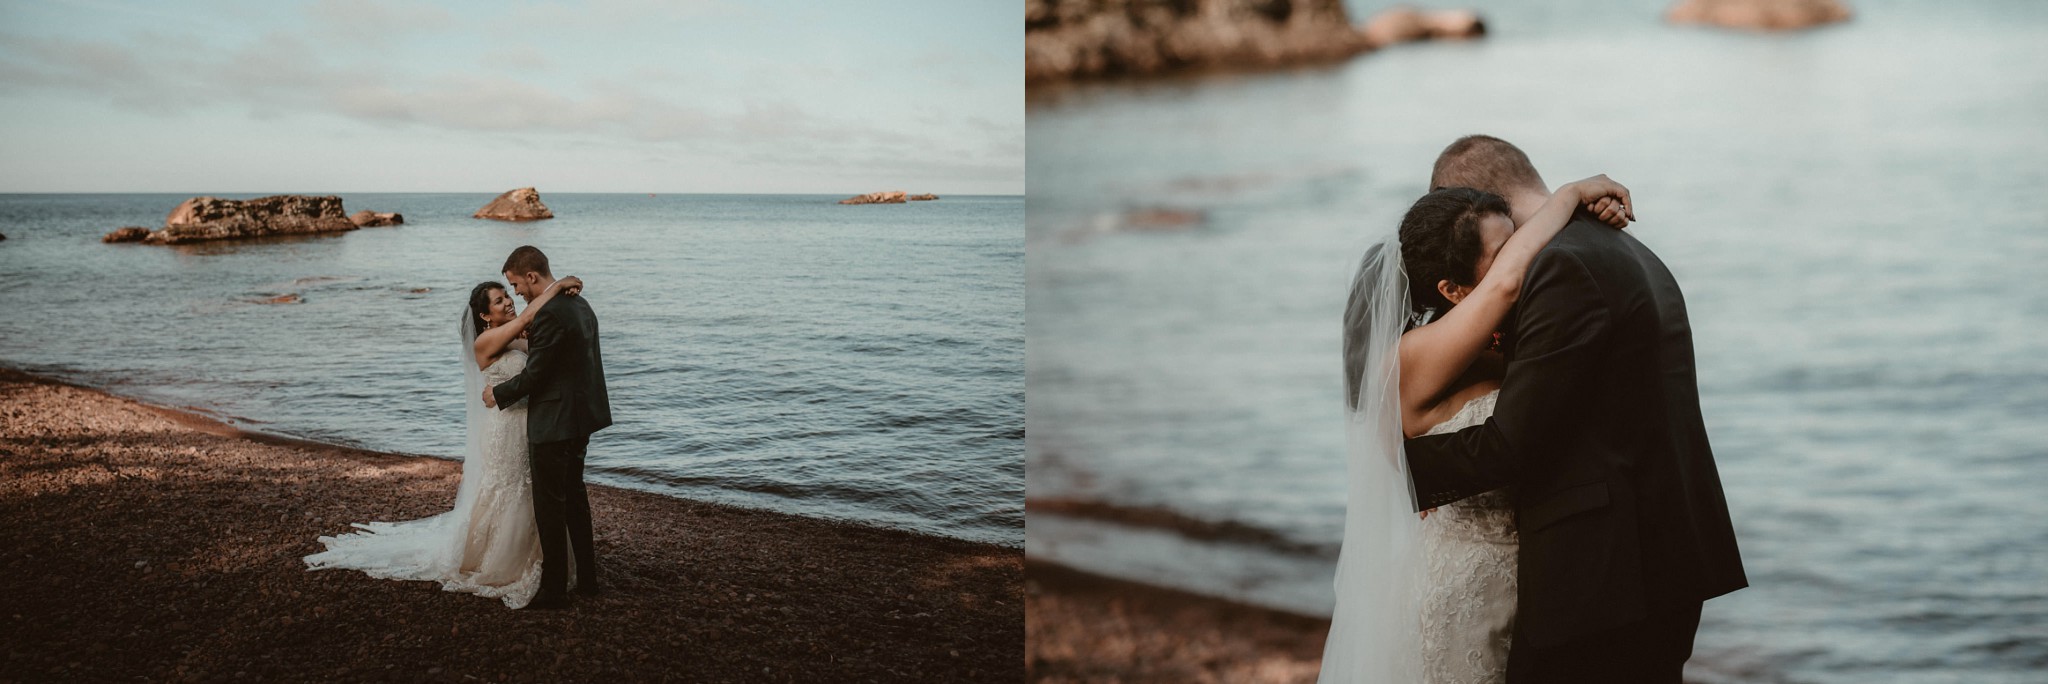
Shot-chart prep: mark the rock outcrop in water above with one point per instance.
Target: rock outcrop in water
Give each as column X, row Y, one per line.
column 927, row 197
column 522, row 204
column 884, row 197
column 375, row 219
column 1403, row 24
column 211, row 218
column 1069, row 39
column 127, row 234
column 1759, row 15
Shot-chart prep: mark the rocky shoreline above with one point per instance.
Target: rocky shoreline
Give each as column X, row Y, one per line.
column 146, row 543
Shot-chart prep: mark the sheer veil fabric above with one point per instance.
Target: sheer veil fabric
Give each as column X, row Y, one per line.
column 1375, row 632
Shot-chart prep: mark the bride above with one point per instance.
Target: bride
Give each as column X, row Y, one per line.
column 1432, row 598
column 488, row 544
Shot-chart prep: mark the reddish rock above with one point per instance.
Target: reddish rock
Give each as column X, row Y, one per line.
column 211, row 218
column 127, row 234
column 1066, row 40
column 1402, row 24
column 1759, row 15
column 374, row 219
column 285, row 299
column 522, row 204
column 1163, row 219
column 927, row 197
column 884, row 197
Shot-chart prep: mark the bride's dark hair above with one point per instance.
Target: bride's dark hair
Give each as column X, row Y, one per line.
column 1440, row 241
column 479, row 303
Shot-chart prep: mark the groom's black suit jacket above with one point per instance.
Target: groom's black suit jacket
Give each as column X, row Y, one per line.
column 564, row 374
column 1598, row 427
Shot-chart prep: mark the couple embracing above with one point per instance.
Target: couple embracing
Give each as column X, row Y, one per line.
column 1531, row 493
column 534, row 388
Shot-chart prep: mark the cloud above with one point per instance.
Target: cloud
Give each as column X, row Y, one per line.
column 375, row 22
column 611, row 15
column 519, row 58
column 713, row 110
column 284, row 72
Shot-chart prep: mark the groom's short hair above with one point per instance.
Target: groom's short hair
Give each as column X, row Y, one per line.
column 527, row 259
column 1484, row 162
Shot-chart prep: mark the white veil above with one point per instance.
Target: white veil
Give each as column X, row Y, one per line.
column 1376, row 630
column 473, row 414
column 428, row 548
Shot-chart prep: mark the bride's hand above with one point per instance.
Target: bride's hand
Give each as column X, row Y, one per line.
column 1606, row 199
column 570, row 285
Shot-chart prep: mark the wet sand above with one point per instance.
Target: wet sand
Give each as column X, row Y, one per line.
column 138, row 542
column 1088, row 628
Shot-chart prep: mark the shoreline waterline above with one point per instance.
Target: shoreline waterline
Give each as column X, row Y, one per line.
column 222, row 425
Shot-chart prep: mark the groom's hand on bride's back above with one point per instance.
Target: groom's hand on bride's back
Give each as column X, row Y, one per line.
column 490, row 401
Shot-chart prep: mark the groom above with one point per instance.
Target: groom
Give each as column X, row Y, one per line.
column 1624, row 530
column 564, row 376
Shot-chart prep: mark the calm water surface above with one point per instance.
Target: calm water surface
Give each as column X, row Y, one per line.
column 1856, row 215
column 783, row 352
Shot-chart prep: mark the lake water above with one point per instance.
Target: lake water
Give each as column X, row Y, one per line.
column 774, row 351
column 1856, row 215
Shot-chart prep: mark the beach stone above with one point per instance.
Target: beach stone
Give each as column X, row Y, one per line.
column 212, row 218
column 127, row 234
column 1403, row 24
column 927, row 197
column 884, row 197
column 1759, row 15
column 374, row 219
column 522, row 204
column 1068, row 39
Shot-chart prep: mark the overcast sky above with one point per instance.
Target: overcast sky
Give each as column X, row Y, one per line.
column 330, row 96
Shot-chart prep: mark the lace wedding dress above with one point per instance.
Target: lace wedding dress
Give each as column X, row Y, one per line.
column 488, row 544
column 1468, row 597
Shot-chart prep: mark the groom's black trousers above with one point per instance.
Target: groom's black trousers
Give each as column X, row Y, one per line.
column 1652, row 651
column 560, row 502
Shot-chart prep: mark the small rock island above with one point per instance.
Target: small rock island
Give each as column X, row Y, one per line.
column 1759, row 15
column 522, row 204
column 884, row 197
column 374, row 219
column 888, row 197
column 211, row 218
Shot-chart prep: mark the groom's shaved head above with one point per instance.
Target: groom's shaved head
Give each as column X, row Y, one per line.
column 1484, row 162
column 527, row 259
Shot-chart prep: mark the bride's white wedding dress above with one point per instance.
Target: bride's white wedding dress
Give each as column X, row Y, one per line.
column 1468, row 594
column 488, row 544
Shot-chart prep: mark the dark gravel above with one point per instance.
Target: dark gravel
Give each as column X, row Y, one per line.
column 142, row 544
